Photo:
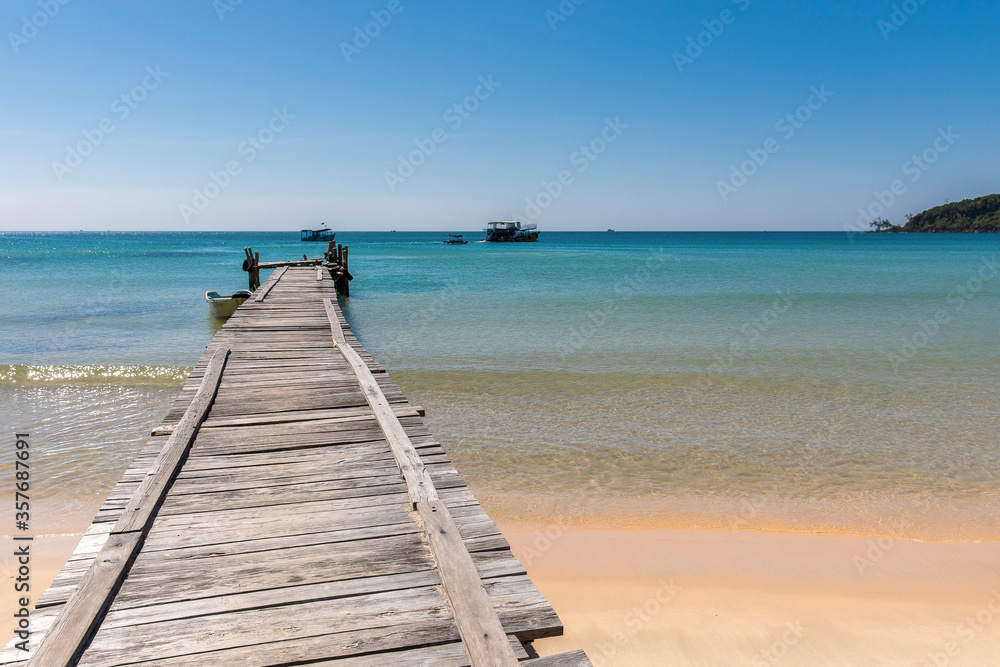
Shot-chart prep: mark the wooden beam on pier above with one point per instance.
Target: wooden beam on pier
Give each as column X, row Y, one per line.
column 418, row 481
column 85, row 609
column 271, row 282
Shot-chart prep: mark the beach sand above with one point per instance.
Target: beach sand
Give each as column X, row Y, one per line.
column 704, row 597
column 48, row 555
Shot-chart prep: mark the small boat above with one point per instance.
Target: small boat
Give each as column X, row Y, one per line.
column 321, row 234
column 455, row 239
column 511, row 230
column 610, row 230
column 224, row 306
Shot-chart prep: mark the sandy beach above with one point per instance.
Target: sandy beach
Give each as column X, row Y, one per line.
column 48, row 554
column 701, row 597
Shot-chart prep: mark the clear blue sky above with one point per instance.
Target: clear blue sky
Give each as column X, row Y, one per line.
column 223, row 73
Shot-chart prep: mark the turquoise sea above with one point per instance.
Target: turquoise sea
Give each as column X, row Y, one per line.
column 779, row 381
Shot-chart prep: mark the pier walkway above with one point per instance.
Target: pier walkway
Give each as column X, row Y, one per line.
column 291, row 509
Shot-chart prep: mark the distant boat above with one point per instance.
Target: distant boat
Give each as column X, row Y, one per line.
column 224, row 306
column 455, row 239
column 511, row 230
column 321, row 234
column 610, row 230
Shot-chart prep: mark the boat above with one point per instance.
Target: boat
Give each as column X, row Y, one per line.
column 321, row 234
column 511, row 230
column 610, row 230
column 455, row 239
column 224, row 306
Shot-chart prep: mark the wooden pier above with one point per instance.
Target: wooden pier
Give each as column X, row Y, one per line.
column 291, row 509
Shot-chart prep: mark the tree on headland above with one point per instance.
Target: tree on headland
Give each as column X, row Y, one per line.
column 883, row 225
column 981, row 215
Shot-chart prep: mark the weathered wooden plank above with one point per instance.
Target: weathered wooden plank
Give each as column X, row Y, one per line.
column 268, row 542
column 141, row 508
column 282, row 496
column 453, row 655
column 477, row 620
column 383, row 641
column 418, row 481
column 160, row 580
column 65, row 640
column 571, row 659
column 174, row 638
column 377, row 472
column 272, row 280
column 301, row 262
column 343, row 414
column 122, row 615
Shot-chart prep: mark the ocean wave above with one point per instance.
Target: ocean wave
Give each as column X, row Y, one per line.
column 135, row 375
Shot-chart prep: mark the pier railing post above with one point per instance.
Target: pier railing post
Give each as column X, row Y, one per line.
column 345, row 282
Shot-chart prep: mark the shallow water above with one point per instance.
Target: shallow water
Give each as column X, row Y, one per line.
column 775, row 381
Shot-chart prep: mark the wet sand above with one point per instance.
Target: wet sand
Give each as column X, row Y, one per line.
column 702, row 597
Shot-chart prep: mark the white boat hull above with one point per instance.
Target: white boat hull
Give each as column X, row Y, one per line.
column 224, row 306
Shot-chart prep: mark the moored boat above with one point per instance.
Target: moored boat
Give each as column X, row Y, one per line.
column 321, row 234
column 511, row 230
column 455, row 239
column 224, row 306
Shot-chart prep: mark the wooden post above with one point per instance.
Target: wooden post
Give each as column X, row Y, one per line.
column 256, row 270
column 248, row 266
column 345, row 284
